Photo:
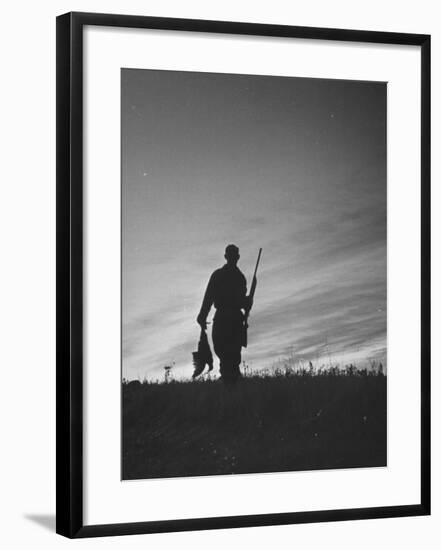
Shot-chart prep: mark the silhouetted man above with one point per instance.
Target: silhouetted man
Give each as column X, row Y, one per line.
column 226, row 290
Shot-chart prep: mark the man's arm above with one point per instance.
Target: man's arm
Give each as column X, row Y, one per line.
column 206, row 304
column 246, row 300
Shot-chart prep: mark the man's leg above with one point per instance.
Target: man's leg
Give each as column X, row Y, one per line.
column 235, row 352
column 235, row 369
column 226, row 371
column 227, row 346
column 230, row 367
column 220, row 344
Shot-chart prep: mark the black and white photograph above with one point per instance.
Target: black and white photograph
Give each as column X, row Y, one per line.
column 254, row 274
column 221, row 250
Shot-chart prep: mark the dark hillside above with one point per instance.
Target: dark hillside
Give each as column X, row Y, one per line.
column 264, row 424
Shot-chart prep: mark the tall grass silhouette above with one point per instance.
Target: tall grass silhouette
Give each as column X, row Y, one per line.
column 284, row 419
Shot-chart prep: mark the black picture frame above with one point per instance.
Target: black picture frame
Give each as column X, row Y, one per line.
column 69, row 295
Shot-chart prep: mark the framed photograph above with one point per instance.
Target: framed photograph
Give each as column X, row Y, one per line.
column 243, row 274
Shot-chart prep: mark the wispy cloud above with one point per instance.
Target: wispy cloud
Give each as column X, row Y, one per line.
column 209, row 160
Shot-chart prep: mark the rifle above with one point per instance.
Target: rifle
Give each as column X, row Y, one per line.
column 250, row 298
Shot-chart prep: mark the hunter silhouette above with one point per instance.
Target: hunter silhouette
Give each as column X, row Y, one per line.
column 227, row 291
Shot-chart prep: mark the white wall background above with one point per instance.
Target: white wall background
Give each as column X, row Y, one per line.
column 27, row 277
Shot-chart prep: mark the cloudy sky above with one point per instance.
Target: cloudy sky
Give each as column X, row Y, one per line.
column 296, row 166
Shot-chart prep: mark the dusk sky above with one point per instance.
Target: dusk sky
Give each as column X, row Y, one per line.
column 296, row 166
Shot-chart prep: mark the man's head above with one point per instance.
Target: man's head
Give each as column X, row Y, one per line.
column 232, row 254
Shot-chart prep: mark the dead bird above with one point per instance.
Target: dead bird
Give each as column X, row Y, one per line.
column 202, row 356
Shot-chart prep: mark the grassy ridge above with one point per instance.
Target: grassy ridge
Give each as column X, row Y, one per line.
column 264, row 424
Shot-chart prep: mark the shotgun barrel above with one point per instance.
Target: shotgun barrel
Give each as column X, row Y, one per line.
column 250, row 298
